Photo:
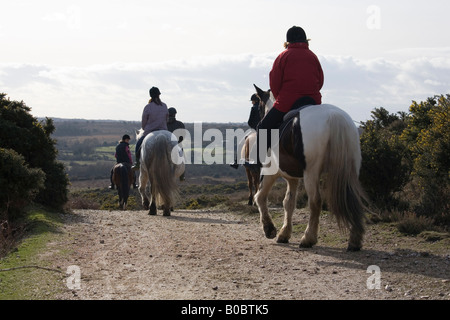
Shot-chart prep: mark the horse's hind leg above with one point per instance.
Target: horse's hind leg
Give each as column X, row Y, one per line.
column 289, row 204
column 261, row 200
column 315, row 206
column 119, row 192
column 166, row 210
column 153, row 209
column 143, row 180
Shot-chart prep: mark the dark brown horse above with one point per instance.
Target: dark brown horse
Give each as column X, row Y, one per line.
column 123, row 178
column 252, row 170
column 248, row 152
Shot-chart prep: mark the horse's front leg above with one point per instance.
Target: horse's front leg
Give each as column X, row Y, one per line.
column 143, row 180
column 261, row 200
column 256, row 180
column 289, row 204
column 250, row 186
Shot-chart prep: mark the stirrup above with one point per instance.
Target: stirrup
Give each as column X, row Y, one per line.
column 234, row 165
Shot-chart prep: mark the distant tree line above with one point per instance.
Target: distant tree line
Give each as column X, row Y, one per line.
column 71, row 129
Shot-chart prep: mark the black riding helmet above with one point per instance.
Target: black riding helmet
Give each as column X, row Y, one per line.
column 296, row 34
column 172, row 112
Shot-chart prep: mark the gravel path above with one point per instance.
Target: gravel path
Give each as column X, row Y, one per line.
column 196, row 255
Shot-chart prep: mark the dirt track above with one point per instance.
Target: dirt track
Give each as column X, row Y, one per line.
column 216, row 255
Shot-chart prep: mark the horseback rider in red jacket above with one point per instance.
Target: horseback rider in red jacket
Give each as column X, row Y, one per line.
column 296, row 73
column 296, row 78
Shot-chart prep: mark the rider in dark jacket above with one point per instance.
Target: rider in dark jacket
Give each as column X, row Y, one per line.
column 173, row 124
column 123, row 155
column 255, row 114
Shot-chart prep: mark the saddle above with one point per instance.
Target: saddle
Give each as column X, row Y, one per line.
column 299, row 105
column 291, row 141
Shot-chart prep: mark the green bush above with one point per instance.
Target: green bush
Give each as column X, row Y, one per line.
column 21, row 132
column 19, row 184
column 428, row 138
column 383, row 170
column 406, row 159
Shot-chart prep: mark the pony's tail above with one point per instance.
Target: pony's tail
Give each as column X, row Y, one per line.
column 343, row 190
column 162, row 178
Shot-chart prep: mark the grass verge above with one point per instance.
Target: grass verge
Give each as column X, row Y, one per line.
column 24, row 273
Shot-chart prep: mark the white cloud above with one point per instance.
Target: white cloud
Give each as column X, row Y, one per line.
column 216, row 88
column 55, row 16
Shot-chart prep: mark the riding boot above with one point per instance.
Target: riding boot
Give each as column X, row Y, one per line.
column 136, row 166
column 272, row 120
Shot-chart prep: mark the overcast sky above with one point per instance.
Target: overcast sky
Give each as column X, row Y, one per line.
column 97, row 59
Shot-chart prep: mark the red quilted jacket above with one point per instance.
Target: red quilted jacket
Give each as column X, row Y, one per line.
column 296, row 73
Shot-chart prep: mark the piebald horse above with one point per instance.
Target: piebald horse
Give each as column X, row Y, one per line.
column 316, row 142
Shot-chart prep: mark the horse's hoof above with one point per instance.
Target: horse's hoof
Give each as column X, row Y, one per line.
column 270, row 231
column 166, row 211
column 282, row 240
column 305, row 245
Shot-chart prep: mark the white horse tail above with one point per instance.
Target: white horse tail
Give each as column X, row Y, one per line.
column 343, row 190
column 161, row 175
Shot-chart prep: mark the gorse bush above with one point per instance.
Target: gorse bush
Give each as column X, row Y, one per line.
column 19, row 184
column 383, row 170
column 31, row 139
column 409, row 152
